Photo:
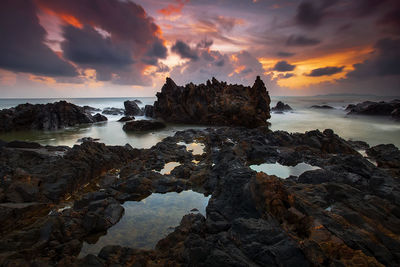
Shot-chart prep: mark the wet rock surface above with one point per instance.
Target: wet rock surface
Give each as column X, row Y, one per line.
column 143, row 125
column 345, row 213
column 214, row 103
column 50, row 116
column 382, row 108
column 126, row 118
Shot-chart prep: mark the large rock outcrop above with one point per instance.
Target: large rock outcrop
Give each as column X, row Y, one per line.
column 382, row 108
column 214, row 103
column 50, row 116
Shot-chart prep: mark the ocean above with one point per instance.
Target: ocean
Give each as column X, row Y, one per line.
column 371, row 129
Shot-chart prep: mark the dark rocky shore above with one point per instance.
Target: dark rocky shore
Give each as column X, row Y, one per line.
column 345, row 213
column 391, row 108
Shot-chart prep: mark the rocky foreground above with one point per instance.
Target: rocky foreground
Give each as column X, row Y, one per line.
column 345, row 213
column 214, row 103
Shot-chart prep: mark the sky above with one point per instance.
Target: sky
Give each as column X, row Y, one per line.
column 116, row 48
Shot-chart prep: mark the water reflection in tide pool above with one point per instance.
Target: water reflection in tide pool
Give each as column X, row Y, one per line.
column 146, row 222
column 283, row 171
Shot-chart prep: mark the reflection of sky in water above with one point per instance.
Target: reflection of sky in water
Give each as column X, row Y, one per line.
column 168, row 167
column 146, row 222
column 195, row 148
column 283, row 171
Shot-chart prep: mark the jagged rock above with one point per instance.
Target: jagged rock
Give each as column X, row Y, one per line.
column 126, row 118
column 375, row 108
column 143, row 125
column 149, row 110
column 113, row 111
column 50, row 116
column 87, row 139
column 216, row 103
column 137, row 101
column 321, row 107
column 387, row 156
column 99, row 118
column 132, row 109
column 281, row 107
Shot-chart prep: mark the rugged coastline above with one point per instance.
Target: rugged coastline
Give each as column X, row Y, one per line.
column 343, row 212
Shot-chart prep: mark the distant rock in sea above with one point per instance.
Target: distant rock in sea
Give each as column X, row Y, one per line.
column 281, row 107
column 214, row 103
column 113, row 111
column 382, row 108
column 321, row 107
column 50, row 116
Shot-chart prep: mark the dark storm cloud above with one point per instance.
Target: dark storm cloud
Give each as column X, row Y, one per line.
column 311, row 13
column 87, row 46
column 220, row 63
column 391, row 20
column 301, row 40
column 327, row 71
column 124, row 19
column 367, row 7
column 118, row 38
column 283, row 66
column 285, row 54
column 22, row 42
column 385, row 62
column 205, row 44
column 184, row 50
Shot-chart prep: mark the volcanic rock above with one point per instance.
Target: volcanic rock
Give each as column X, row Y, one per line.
column 99, row 118
column 149, row 110
column 113, row 111
column 143, row 125
column 91, row 109
column 281, row 107
column 215, row 103
column 132, row 109
column 126, row 118
column 50, row 116
column 321, row 107
column 375, row 108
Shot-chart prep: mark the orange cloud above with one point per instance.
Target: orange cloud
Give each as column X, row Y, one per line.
column 173, row 8
column 299, row 80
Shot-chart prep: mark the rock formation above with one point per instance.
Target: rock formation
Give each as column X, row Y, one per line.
column 214, row 103
column 281, row 107
column 143, row 125
column 376, row 108
column 50, row 116
column 132, row 109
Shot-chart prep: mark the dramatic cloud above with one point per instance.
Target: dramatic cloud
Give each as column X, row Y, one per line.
column 283, row 66
column 89, row 47
column 285, row 54
column 22, row 47
column 386, row 60
column 113, row 37
column 301, row 40
column 172, row 9
column 286, row 75
column 325, row 71
column 310, row 13
column 184, row 50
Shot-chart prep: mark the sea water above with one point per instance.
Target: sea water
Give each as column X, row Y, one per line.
column 372, row 129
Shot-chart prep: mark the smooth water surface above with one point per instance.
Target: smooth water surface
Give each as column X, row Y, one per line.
column 283, row 171
column 145, row 222
column 196, row 148
column 372, row 129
